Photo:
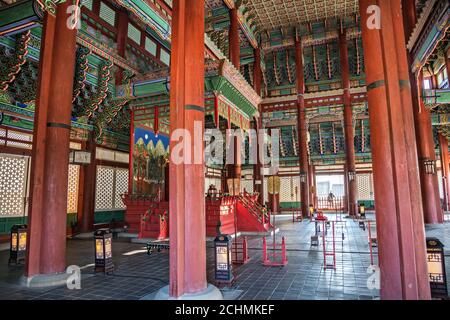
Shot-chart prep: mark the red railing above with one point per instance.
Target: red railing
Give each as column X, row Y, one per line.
column 251, row 203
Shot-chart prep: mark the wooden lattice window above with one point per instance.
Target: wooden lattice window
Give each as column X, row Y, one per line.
column 111, row 184
column 72, row 188
column 150, row 46
column 247, row 185
column 13, row 185
column 134, row 33
column 108, row 14
column 364, row 184
column 121, row 187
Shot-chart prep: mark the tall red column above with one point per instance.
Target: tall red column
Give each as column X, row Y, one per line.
column 424, row 133
column 425, row 142
column 400, row 227
column 257, row 72
column 258, row 177
column 122, row 38
column 421, row 270
column 301, row 129
column 86, row 221
column 187, row 204
column 443, row 148
column 312, row 185
column 50, row 164
column 423, row 128
column 234, row 170
column 233, row 38
column 348, row 126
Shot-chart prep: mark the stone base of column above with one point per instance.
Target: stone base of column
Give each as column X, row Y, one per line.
column 210, row 293
column 45, row 280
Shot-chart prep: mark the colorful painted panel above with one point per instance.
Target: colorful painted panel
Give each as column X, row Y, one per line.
column 150, row 156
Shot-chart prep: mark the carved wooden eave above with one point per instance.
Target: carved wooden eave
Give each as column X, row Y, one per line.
column 420, row 23
column 50, row 5
column 229, row 72
column 430, row 30
column 105, row 52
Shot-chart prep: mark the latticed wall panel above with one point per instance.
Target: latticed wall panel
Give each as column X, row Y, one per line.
column 287, row 189
column 7, row 135
column 266, row 192
column 296, row 187
column 440, row 182
column 104, row 194
column 13, row 185
column 121, row 187
column 364, row 184
column 111, row 184
column 2, row 137
column 72, row 188
column 247, row 185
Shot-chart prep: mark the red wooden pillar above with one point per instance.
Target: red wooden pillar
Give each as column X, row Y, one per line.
column 122, row 37
column 233, row 38
column 235, row 58
column 425, row 142
column 50, row 161
column 301, row 129
column 257, row 73
column 443, row 148
column 423, row 128
column 350, row 168
column 86, row 221
column 409, row 17
column 312, row 185
column 166, row 183
column 400, row 227
column 130, row 155
column 258, row 176
column 403, row 72
column 187, row 205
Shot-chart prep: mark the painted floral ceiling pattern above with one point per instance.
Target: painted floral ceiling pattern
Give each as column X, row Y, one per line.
column 274, row 14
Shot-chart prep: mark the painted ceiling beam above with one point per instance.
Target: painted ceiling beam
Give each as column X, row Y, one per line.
column 310, row 39
column 20, row 17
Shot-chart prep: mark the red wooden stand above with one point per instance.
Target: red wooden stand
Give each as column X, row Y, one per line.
column 240, row 251
column 272, row 259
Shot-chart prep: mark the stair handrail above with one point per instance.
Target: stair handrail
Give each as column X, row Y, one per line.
column 255, row 208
